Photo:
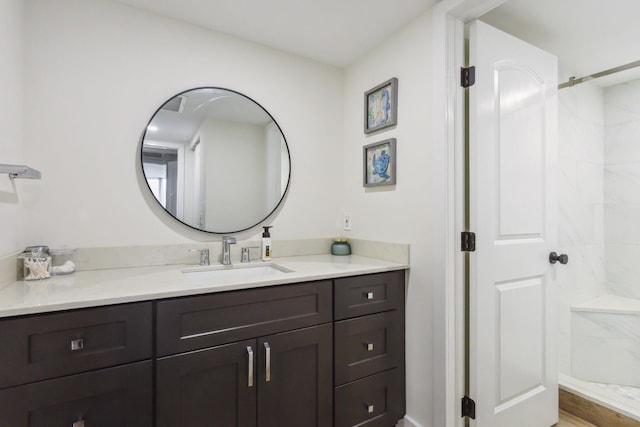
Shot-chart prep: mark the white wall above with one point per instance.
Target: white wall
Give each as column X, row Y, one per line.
column 96, row 71
column 11, row 152
column 402, row 213
column 580, row 204
column 621, row 188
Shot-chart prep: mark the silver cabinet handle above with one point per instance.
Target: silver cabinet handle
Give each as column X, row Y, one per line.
column 267, row 373
column 250, row 353
column 370, row 407
column 78, row 424
column 369, row 346
column 369, row 295
column 77, row 345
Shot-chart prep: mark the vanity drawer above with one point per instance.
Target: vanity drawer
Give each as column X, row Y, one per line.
column 191, row 323
column 368, row 345
column 375, row 401
column 373, row 293
column 112, row 397
column 51, row 345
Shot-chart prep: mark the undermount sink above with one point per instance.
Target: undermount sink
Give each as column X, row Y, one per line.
column 249, row 271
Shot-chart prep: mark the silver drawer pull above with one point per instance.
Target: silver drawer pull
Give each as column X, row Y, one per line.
column 250, row 353
column 369, row 346
column 370, row 407
column 78, row 424
column 369, row 295
column 77, row 345
column 267, row 369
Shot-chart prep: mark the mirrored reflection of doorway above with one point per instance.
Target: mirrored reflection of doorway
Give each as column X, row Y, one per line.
column 161, row 169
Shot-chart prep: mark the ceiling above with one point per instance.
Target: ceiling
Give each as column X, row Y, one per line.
column 587, row 36
column 331, row 31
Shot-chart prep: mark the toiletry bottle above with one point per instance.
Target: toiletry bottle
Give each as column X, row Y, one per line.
column 266, row 244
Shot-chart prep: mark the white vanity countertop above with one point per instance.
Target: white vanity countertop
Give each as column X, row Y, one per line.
column 114, row 286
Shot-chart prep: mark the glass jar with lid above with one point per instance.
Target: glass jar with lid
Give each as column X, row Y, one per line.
column 340, row 246
column 62, row 261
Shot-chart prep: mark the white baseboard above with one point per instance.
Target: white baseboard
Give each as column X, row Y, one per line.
column 407, row 422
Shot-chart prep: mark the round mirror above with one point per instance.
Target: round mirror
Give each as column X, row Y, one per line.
column 215, row 160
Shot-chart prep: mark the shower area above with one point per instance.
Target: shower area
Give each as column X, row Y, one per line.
column 599, row 228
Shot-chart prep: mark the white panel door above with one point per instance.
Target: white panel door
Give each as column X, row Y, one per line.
column 512, row 208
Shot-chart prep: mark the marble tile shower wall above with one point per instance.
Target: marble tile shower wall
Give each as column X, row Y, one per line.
column 581, row 204
column 606, row 348
column 622, row 188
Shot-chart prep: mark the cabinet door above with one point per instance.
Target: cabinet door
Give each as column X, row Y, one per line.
column 211, row 387
column 295, row 386
column 113, row 397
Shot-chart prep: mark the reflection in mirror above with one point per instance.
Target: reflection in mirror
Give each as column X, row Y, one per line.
column 215, row 160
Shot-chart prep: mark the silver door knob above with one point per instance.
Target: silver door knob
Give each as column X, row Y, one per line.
column 562, row 258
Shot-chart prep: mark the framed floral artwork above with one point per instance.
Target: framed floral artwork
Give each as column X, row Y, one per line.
column 381, row 106
column 379, row 163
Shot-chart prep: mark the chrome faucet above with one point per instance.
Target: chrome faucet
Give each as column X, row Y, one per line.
column 227, row 241
column 204, row 255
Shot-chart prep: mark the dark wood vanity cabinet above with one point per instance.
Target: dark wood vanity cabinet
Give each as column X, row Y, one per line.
column 282, row 379
column 321, row 353
column 89, row 367
column 113, row 397
column 369, row 350
column 238, row 385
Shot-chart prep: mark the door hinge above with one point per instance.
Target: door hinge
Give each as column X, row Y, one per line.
column 468, row 240
column 467, row 76
column 468, row 407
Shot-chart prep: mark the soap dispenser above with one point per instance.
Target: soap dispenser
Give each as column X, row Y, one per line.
column 266, row 244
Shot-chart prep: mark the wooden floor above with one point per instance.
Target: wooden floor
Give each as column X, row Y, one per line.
column 568, row 420
column 597, row 415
